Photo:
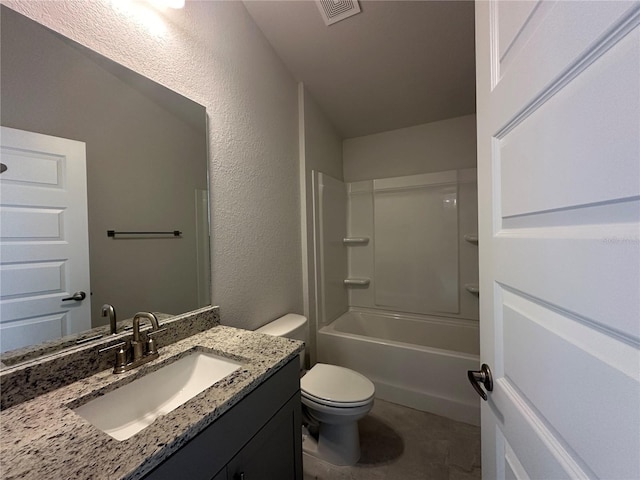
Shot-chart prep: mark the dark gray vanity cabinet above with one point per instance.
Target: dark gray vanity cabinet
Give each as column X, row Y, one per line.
column 270, row 454
column 257, row 439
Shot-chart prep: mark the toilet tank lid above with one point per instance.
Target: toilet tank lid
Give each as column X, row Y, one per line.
column 283, row 326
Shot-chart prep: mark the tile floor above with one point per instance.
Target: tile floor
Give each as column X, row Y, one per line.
column 399, row 443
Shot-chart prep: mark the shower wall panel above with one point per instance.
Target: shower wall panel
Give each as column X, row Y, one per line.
column 360, row 224
column 416, row 247
column 330, row 224
column 417, row 257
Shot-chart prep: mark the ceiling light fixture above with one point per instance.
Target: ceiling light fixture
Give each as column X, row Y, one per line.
column 142, row 13
column 168, row 3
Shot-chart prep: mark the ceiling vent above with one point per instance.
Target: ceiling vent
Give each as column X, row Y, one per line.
column 335, row 10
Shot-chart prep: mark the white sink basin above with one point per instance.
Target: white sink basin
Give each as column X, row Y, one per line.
column 125, row 411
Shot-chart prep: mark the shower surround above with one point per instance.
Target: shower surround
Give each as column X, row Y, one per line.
column 396, row 283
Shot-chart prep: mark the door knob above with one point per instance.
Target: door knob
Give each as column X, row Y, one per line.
column 482, row 376
column 78, row 297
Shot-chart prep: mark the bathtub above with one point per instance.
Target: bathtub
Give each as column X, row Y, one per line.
column 417, row 361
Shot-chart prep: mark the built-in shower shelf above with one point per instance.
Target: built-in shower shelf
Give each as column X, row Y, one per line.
column 472, row 288
column 471, row 238
column 357, row 282
column 350, row 241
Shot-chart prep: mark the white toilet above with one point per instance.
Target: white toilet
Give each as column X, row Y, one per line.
column 334, row 397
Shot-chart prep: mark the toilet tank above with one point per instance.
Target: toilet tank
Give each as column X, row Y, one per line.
column 290, row 325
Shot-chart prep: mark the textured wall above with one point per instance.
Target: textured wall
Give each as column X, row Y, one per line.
column 431, row 147
column 323, row 143
column 213, row 53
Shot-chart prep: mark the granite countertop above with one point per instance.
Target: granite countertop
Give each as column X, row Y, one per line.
column 43, row 438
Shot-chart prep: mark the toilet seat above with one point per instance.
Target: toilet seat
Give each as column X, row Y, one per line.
column 328, row 403
column 337, row 387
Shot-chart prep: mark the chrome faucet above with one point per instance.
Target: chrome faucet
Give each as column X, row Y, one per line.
column 109, row 311
column 138, row 354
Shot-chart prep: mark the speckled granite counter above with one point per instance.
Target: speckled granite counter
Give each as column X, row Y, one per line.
column 43, row 438
column 49, row 372
column 34, row 352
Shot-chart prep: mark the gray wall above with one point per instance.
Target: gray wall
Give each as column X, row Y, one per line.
column 144, row 164
column 427, row 148
column 213, row 53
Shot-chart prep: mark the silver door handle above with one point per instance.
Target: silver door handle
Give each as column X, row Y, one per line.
column 476, row 377
column 78, row 297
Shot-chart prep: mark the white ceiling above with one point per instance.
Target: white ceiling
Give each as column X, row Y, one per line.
column 394, row 65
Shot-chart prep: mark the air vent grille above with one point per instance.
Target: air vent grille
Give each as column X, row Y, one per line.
column 335, row 10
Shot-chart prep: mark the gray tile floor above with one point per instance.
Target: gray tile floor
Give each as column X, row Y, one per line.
column 399, row 443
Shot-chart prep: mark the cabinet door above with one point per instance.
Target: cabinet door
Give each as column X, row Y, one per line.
column 272, row 454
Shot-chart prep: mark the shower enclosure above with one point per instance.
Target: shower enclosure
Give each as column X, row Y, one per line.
column 396, row 285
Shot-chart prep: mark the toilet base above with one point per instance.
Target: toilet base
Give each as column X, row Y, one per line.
column 309, row 442
column 336, row 444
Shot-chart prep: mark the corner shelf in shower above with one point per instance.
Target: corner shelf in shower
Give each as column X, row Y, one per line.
column 357, row 282
column 471, row 238
column 472, row 288
column 350, row 241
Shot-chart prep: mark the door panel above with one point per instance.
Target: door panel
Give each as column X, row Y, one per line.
column 588, row 274
column 533, row 449
column 584, row 366
column 34, row 330
column 20, row 223
column 559, row 225
column 542, row 51
column 594, row 157
column 33, row 169
column 32, row 278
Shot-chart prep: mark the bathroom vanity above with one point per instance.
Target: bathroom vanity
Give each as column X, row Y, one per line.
column 245, row 426
column 259, row 438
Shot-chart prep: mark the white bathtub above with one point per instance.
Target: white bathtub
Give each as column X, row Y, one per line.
column 417, row 361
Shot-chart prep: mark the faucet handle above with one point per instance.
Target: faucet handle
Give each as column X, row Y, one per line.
column 151, row 343
column 121, row 356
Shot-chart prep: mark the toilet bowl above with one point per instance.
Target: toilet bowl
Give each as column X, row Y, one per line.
column 336, row 398
column 333, row 397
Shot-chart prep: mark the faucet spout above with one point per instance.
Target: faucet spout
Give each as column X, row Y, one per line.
column 109, row 311
column 136, row 345
column 136, row 323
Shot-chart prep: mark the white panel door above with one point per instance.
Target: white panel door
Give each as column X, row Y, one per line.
column 558, row 91
column 44, row 246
